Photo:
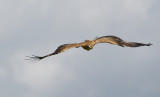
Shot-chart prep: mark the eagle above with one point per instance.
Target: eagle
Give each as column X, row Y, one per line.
column 89, row 44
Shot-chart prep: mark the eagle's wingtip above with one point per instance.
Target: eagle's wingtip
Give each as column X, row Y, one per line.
column 34, row 58
column 149, row 44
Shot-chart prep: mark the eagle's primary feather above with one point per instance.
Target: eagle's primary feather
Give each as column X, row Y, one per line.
column 89, row 44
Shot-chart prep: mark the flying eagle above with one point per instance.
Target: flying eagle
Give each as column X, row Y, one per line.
column 89, row 44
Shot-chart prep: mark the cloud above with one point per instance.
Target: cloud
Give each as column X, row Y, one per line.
column 3, row 72
column 90, row 17
column 38, row 75
column 38, row 27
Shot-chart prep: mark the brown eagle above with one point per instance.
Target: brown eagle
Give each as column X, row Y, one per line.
column 89, row 44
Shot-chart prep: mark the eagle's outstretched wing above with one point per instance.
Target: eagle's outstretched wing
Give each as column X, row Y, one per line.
column 109, row 39
column 89, row 44
column 118, row 41
column 60, row 49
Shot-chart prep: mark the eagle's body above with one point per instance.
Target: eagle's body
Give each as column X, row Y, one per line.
column 89, row 44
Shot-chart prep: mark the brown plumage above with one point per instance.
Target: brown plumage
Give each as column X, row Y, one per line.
column 89, row 44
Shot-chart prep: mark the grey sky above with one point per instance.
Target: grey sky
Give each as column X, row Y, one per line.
column 40, row 26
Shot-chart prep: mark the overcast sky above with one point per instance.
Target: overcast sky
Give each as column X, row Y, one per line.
column 39, row 26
